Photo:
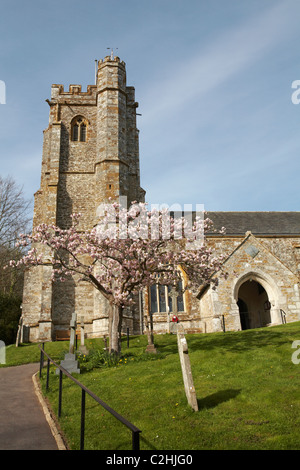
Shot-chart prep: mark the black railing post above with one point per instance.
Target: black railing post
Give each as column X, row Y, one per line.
column 127, row 337
column 223, row 323
column 135, row 440
column 283, row 317
column 82, row 419
column 60, row 393
column 48, row 369
column 134, row 430
column 41, row 360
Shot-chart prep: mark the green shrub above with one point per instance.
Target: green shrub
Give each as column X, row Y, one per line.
column 101, row 358
column 10, row 313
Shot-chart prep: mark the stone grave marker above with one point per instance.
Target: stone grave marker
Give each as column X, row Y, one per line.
column 2, row 353
column 82, row 348
column 70, row 363
column 186, row 369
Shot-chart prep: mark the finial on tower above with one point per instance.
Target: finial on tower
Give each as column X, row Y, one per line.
column 112, row 52
column 96, row 69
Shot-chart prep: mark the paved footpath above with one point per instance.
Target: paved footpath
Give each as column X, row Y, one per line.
column 23, row 425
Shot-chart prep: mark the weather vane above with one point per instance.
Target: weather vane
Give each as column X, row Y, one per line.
column 112, row 51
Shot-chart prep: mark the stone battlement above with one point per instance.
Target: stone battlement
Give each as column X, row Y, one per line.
column 75, row 91
column 111, row 59
column 59, row 91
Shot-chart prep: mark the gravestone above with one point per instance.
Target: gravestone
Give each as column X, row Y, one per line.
column 2, row 353
column 73, row 333
column 82, row 348
column 173, row 325
column 19, row 338
column 186, row 370
column 151, row 349
column 149, row 328
column 70, row 363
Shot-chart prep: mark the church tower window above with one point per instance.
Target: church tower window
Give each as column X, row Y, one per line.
column 79, row 129
column 82, row 132
column 75, row 133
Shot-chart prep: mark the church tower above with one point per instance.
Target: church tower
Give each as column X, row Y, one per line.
column 90, row 154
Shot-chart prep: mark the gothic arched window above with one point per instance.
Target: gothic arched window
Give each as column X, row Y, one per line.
column 161, row 299
column 79, row 129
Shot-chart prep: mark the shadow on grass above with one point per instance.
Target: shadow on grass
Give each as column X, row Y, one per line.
column 216, row 398
column 122, row 445
column 149, row 444
column 239, row 341
column 235, row 341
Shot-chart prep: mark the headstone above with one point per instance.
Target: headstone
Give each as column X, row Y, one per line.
column 186, row 370
column 70, row 363
column 19, row 338
column 174, row 295
column 73, row 333
column 149, row 327
column 82, row 348
column 151, row 349
column 2, row 353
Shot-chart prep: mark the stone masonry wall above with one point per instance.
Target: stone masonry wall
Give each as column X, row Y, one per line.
column 76, row 177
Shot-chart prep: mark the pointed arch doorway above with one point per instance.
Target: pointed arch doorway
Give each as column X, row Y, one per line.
column 254, row 305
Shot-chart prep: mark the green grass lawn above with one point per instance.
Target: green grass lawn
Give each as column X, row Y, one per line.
column 246, row 383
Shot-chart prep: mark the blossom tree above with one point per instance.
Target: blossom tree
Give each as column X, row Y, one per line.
column 127, row 251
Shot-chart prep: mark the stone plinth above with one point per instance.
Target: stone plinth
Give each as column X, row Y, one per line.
column 70, row 364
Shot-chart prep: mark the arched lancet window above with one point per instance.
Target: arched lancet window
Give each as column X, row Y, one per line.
column 82, row 132
column 75, row 133
column 79, row 129
column 161, row 300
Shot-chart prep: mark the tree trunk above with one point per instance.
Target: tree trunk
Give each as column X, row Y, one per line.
column 110, row 322
column 116, row 328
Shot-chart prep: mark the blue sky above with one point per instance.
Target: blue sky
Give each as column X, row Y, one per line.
column 213, row 79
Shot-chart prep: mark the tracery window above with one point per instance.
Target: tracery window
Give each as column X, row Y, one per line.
column 161, row 300
column 79, row 129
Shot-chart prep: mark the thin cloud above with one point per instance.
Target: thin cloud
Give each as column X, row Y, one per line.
column 229, row 55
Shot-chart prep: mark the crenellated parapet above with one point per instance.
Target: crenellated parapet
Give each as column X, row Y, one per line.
column 112, row 59
column 58, row 92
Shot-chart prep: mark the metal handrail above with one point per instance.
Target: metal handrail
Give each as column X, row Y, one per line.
column 135, row 431
column 283, row 316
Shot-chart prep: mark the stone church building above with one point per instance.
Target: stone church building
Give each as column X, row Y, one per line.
column 91, row 154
